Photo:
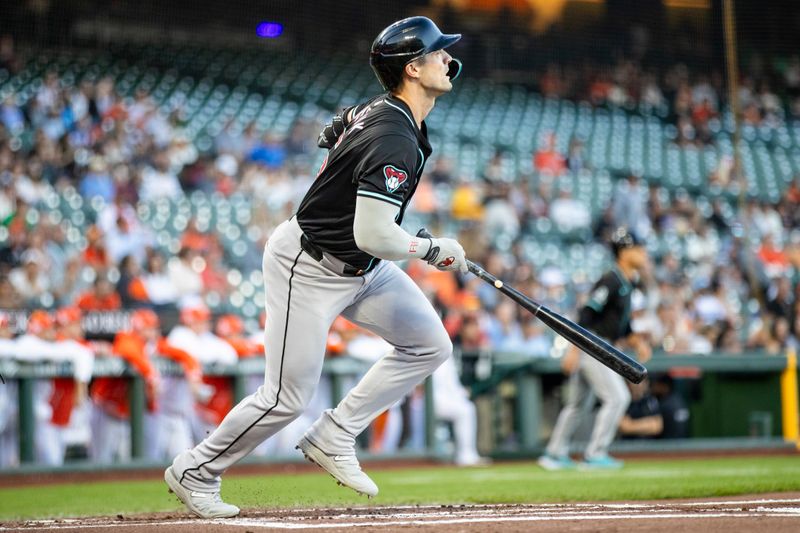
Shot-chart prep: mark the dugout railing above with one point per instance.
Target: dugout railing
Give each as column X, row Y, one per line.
column 747, row 400
column 735, row 401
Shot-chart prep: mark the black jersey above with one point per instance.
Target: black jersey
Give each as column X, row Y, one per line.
column 608, row 311
column 380, row 155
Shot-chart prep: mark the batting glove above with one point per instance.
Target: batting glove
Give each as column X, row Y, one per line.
column 446, row 254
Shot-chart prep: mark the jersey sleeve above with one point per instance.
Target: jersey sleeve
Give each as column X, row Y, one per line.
column 133, row 352
column 386, row 172
column 598, row 299
column 191, row 367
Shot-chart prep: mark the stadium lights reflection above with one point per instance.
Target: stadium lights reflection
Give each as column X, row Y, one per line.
column 269, row 30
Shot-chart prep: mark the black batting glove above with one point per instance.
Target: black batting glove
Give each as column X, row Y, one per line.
column 331, row 132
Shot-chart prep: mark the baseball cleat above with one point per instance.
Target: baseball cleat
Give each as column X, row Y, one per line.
column 203, row 504
column 553, row 463
column 343, row 468
column 600, row 462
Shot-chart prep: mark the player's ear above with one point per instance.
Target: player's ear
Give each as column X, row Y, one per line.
column 412, row 69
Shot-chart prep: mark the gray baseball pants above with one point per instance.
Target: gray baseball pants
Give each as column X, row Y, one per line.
column 593, row 379
column 303, row 297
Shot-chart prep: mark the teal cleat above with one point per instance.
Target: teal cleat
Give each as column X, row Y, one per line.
column 601, row 462
column 552, row 463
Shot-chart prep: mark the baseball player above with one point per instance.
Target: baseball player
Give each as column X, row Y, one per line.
column 335, row 256
column 71, row 411
column 607, row 313
column 38, row 344
column 137, row 345
column 190, row 408
column 111, row 413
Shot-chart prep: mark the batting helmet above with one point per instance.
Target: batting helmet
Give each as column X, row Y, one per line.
column 622, row 238
column 403, row 42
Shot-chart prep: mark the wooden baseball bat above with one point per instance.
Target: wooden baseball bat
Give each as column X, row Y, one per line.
column 584, row 339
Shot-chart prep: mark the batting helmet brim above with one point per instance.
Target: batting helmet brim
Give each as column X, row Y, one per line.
column 447, row 39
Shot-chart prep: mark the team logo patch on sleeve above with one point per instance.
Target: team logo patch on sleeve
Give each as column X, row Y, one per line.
column 394, row 177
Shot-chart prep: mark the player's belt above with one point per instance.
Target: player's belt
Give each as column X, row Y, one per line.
column 317, row 255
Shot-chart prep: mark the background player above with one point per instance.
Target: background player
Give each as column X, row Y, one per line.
column 335, row 257
column 607, row 313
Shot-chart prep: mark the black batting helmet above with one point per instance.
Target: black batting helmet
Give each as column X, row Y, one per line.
column 622, row 238
column 403, row 42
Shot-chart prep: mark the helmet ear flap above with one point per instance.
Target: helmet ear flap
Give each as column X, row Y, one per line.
column 454, row 68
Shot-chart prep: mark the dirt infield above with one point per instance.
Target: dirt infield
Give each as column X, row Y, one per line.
column 774, row 513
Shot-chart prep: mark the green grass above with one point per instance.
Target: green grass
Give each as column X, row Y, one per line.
column 508, row 483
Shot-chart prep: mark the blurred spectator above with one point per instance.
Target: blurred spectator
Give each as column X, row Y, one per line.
column 780, row 300
column 30, row 281
column 467, row 202
column 157, row 282
column 773, row 258
column 95, row 254
column 567, row 212
column 643, row 418
column 102, row 296
column 576, row 158
column 9, row 297
column 98, row 181
column 673, row 408
column 122, row 240
column 158, row 180
column 630, row 206
column 503, row 326
column 183, row 274
column 442, row 171
column 499, row 215
column 11, row 115
column 130, row 285
column 452, row 403
column 547, row 159
column 270, row 152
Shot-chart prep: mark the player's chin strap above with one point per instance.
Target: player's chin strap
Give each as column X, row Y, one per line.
column 454, row 68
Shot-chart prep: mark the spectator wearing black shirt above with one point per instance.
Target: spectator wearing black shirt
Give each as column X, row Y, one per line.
column 643, row 418
column 673, row 408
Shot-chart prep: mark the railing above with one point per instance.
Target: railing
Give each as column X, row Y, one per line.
column 25, row 374
column 762, row 384
column 731, row 383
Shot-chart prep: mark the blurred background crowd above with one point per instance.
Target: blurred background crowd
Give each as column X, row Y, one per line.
column 150, row 176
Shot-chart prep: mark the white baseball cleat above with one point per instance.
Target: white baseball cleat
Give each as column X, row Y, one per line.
column 344, row 468
column 203, row 504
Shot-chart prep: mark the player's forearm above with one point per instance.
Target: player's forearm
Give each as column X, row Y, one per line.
column 645, row 426
column 377, row 233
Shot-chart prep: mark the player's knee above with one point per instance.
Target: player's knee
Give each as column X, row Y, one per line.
column 442, row 347
column 294, row 405
column 620, row 398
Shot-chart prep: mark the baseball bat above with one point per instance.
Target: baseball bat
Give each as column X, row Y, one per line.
column 584, row 339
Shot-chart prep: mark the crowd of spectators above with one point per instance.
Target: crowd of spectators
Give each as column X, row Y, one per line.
column 729, row 284
column 691, row 101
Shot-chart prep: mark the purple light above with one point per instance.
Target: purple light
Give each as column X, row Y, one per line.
column 269, row 30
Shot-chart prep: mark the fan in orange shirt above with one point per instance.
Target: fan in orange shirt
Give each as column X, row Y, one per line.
column 95, row 254
column 102, row 296
column 136, row 346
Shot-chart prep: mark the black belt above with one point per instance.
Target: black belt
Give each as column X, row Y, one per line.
column 316, row 254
